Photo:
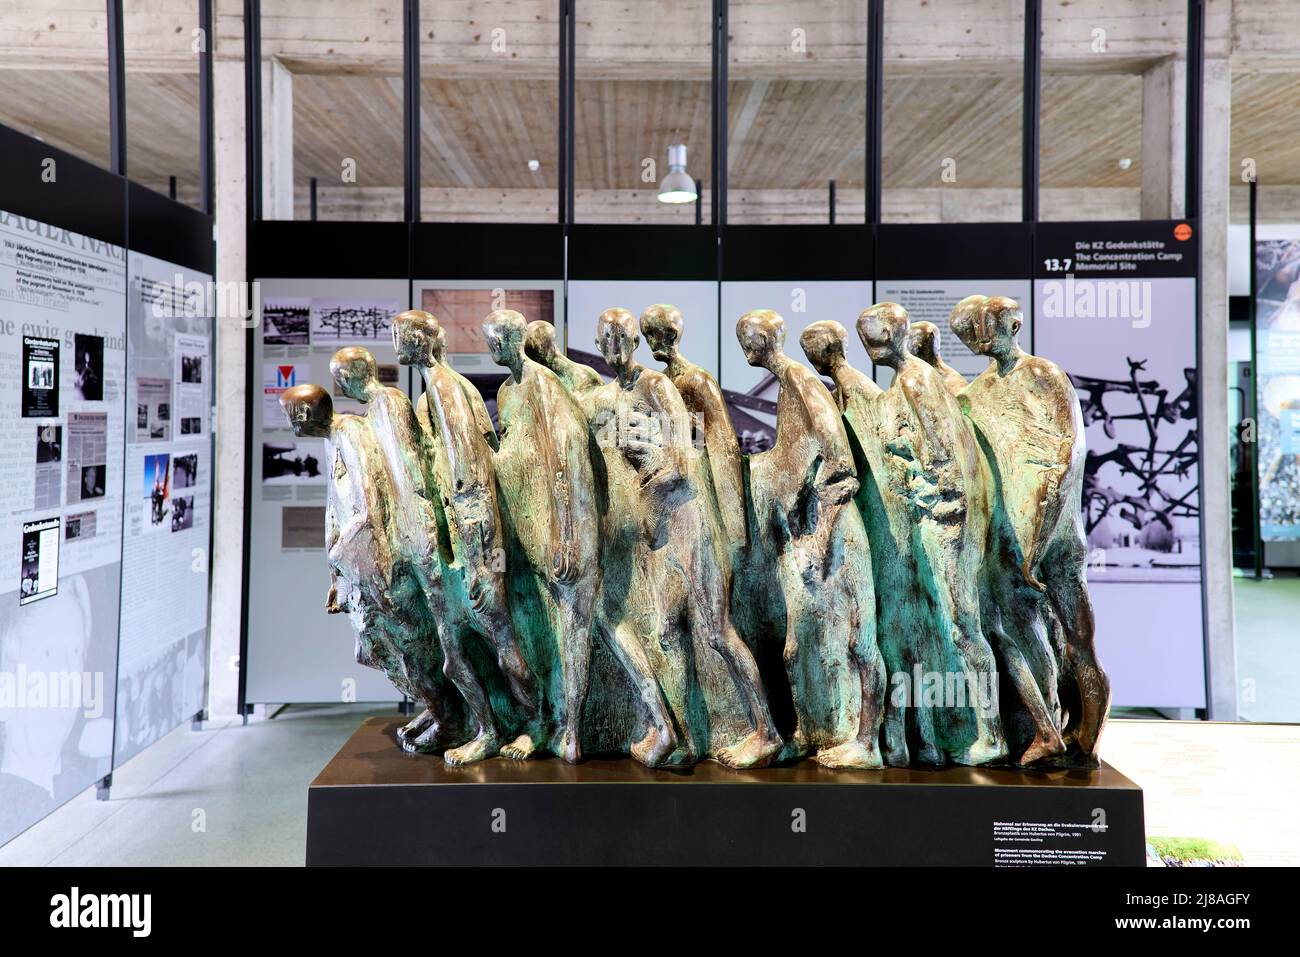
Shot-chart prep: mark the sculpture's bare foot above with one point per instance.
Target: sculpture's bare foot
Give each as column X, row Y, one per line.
column 756, row 751
column 685, row 754
column 850, row 754
column 408, row 732
column 984, row 751
column 795, row 747
column 570, row 749
column 1042, row 747
column 484, row 746
column 430, row 740
column 520, row 749
column 654, row 748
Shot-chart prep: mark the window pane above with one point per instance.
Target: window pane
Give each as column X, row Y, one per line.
column 490, row 109
column 162, row 96
column 1113, row 108
column 332, row 108
column 54, row 86
column 952, row 120
column 796, row 104
column 643, row 82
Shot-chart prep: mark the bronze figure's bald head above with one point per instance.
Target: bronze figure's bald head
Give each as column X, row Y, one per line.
column 309, row 410
column 761, row 333
column 823, row 344
column 661, row 324
column 883, row 330
column 617, row 337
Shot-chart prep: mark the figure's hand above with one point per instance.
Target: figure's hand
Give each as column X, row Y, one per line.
column 565, row 568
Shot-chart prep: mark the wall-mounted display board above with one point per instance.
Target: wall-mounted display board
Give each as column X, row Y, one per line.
column 295, row 651
column 1115, row 306
column 1277, row 384
column 639, row 266
column 62, row 389
column 928, row 269
column 805, row 273
column 162, row 665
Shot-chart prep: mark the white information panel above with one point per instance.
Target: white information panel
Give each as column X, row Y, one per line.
column 296, row 651
column 931, row 300
column 162, row 665
column 697, row 300
column 751, row 392
column 62, row 370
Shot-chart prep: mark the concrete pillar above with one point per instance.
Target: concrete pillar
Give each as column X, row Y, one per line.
column 1215, row 479
column 1164, row 139
column 277, row 140
column 228, row 492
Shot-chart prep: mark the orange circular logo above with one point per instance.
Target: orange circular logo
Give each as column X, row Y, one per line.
column 1182, row 232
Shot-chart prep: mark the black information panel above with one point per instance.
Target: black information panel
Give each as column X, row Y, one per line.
column 930, row 268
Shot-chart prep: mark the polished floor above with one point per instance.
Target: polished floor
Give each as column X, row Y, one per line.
column 232, row 794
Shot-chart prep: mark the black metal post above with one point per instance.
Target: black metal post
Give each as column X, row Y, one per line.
column 252, row 214
column 718, row 203
column 1029, row 110
column 207, row 186
column 171, row 187
column 253, row 108
column 874, row 146
column 116, row 90
column 1257, row 533
column 699, row 203
column 410, row 112
column 311, row 189
column 568, row 49
column 830, row 199
column 562, row 130
column 1195, row 83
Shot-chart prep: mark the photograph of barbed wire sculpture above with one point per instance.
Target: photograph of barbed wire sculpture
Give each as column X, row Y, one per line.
column 1140, row 486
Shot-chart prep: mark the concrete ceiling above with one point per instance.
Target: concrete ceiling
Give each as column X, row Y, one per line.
column 952, row 90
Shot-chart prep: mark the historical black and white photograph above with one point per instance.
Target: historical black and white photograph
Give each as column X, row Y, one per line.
column 182, row 512
column 88, row 377
column 296, row 462
column 185, row 470
column 286, row 322
column 351, row 322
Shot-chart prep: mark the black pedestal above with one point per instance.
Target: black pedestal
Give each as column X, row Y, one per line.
column 374, row 804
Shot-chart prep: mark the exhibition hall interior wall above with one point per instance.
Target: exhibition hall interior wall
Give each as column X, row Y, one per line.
column 106, row 435
column 1113, row 303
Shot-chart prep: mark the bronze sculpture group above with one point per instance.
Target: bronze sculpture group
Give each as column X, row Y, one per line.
column 899, row 580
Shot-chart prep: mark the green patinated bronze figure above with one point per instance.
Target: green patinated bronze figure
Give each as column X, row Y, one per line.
column 803, row 490
column 1031, row 430
column 607, row 573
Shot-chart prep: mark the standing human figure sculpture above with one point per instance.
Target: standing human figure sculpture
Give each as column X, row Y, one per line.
column 663, row 586
column 414, row 531
column 1028, row 414
column 463, row 468
column 803, row 490
column 662, row 327
column 548, row 494
column 371, row 578
column 926, row 540
column 923, row 342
